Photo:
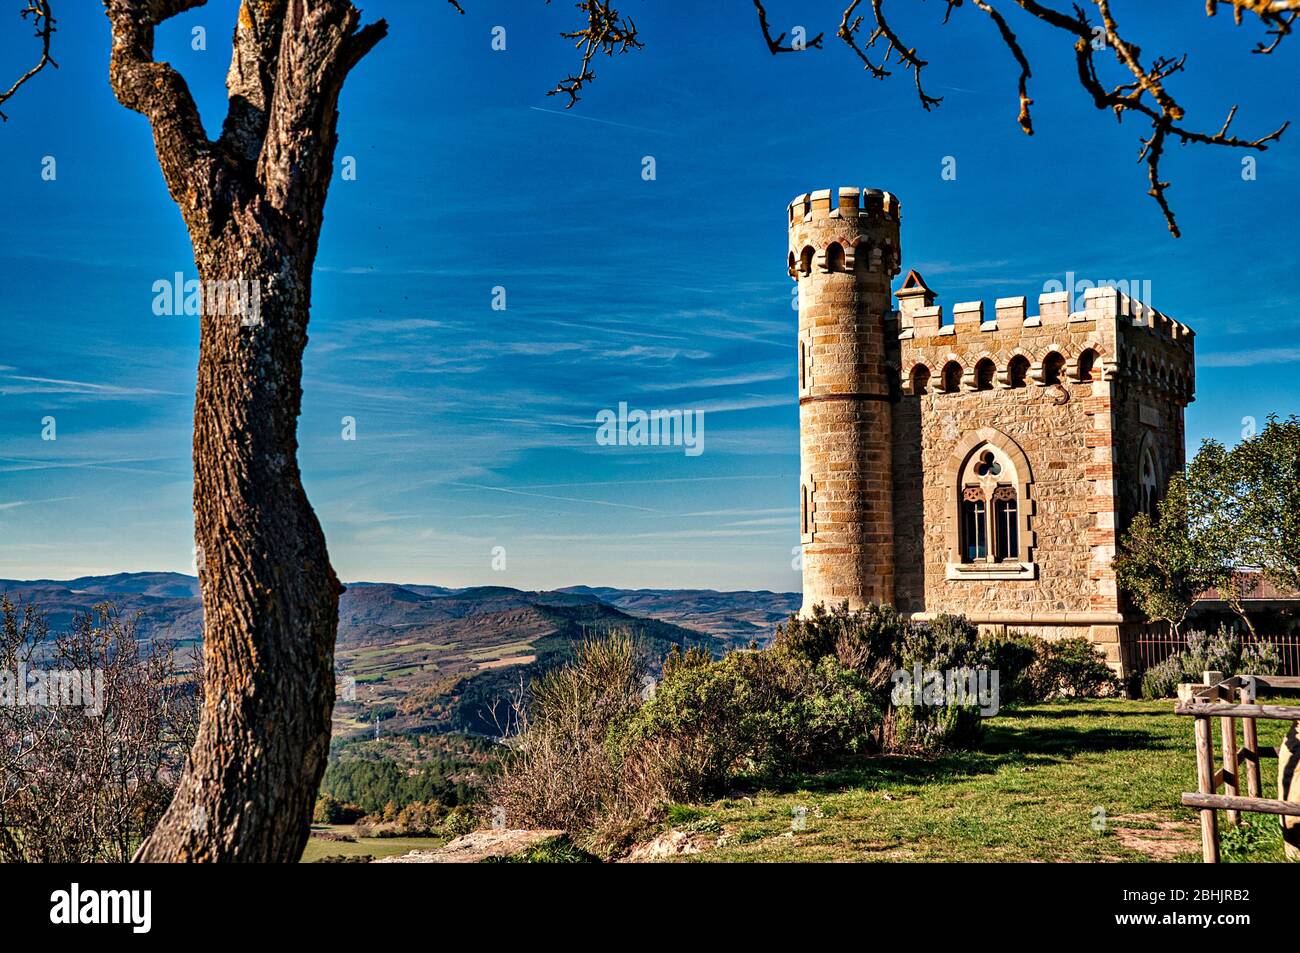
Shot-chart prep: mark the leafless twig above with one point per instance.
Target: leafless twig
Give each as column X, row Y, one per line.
column 43, row 19
column 775, row 45
column 607, row 31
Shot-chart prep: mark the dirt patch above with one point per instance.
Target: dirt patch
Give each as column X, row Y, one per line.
column 503, row 662
column 477, row 847
column 1157, row 837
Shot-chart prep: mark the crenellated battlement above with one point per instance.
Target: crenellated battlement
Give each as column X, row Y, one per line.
column 1113, row 336
column 845, row 203
column 919, row 316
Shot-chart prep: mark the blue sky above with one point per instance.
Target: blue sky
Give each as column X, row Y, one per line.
column 476, row 427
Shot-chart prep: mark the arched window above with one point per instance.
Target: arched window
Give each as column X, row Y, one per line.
column 920, row 380
column 1052, row 365
column 806, row 260
column 989, row 507
column 952, row 377
column 804, row 522
column 1017, row 370
column 1087, row 361
column 1149, row 483
column 834, row 257
column 984, row 372
column 792, row 265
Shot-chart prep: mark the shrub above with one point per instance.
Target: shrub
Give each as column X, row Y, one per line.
column 1076, row 668
column 330, row 810
column 865, row 640
column 1222, row 652
column 561, row 773
column 1015, row 658
column 758, row 712
column 1161, row 680
column 459, row 820
column 949, row 644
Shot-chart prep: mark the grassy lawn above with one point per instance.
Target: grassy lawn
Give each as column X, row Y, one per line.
column 1087, row 780
column 376, row 847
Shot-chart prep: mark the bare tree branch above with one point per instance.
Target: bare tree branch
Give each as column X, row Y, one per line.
column 903, row 54
column 774, row 46
column 251, row 77
column 1009, row 38
column 158, row 92
column 43, row 19
column 607, row 31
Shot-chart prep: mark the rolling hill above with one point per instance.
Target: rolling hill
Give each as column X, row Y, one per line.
column 418, row 658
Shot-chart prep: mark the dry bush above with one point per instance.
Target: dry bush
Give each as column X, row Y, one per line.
column 77, row 784
column 561, row 773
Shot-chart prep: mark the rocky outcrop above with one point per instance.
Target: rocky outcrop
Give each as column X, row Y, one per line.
column 670, row 844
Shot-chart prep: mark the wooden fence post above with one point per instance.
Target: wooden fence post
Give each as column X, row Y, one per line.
column 1205, row 784
column 1250, row 742
column 1228, row 734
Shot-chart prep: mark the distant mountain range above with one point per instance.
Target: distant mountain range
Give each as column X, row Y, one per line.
column 169, row 604
column 431, row 658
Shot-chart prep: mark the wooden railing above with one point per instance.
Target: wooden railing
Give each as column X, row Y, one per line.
column 1214, row 699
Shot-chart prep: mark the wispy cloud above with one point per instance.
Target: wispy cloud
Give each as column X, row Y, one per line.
column 1251, row 358
column 51, row 385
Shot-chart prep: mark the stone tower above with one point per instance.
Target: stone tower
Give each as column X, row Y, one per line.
column 844, row 253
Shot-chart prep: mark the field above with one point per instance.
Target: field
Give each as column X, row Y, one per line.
column 374, row 846
column 1064, row 781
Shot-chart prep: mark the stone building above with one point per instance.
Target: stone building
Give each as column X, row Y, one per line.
column 983, row 465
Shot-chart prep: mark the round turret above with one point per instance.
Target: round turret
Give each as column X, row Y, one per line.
column 844, row 252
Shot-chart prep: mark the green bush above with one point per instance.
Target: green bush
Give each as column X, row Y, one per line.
column 1162, row 679
column 949, row 645
column 459, row 820
column 330, row 810
column 1224, row 651
column 749, row 712
column 1015, row 658
column 1076, row 668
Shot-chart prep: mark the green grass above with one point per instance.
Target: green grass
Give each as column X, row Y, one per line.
column 374, row 846
column 1074, row 780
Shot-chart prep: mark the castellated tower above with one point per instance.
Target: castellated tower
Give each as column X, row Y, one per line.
column 844, row 253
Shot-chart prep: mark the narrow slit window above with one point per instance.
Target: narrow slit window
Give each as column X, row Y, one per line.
column 974, row 530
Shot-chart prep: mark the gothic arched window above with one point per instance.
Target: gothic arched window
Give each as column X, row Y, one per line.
column 989, row 507
column 989, row 514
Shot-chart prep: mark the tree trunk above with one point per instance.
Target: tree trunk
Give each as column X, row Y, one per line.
column 253, row 201
column 270, row 596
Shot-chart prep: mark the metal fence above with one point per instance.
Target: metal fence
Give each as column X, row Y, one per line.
column 1151, row 648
